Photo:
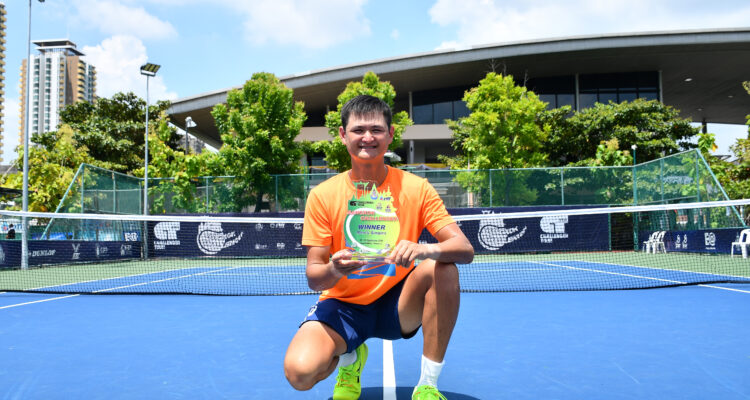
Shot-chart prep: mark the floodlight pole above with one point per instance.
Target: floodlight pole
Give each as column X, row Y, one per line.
column 148, row 70
column 25, row 205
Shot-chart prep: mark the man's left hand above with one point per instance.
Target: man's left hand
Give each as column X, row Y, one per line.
column 406, row 252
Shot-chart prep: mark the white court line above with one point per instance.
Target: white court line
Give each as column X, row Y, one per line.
column 609, row 272
column 39, row 301
column 110, row 289
column 389, row 372
column 725, row 288
column 658, row 269
column 639, row 276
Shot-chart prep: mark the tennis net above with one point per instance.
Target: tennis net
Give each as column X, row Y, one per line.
column 571, row 248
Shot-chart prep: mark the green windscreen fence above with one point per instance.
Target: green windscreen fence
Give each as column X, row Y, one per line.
column 679, row 178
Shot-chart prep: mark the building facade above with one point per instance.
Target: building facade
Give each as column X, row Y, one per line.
column 58, row 77
column 699, row 72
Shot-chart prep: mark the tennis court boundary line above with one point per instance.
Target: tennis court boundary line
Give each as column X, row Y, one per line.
column 725, row 288
column 39, row 301
column 639, row 276
column 389, row 371
column 660, row 269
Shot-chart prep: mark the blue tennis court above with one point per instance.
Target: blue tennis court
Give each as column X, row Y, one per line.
column 535, row 321
column 684, row 342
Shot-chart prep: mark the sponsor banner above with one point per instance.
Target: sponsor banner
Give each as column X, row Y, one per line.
column 200, row 239
column 698, row 241
column 542, row 234
column 66, row 251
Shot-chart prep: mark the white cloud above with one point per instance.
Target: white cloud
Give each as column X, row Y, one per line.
column 118, row 60
column 310, row 24
column 114, row 18
column 11, row 137
column 490, row 21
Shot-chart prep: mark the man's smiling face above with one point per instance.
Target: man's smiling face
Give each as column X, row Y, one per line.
column 366, row 136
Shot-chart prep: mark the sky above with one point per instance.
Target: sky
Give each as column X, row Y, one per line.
column 210, row 45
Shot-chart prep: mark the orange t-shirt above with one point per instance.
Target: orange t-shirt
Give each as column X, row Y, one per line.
column 417, row 206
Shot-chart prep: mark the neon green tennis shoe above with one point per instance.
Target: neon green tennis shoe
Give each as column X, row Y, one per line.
column 426, row 392
column 348, row 386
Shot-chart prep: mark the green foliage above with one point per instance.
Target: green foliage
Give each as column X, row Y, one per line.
column 735, row 176
column 337, row 157
column 168, row 162
column 608, row 153
column 112, row 129
column 502, row 131
column 706, row 143
column 52, row 170
column 258, row 126
column 655, row 128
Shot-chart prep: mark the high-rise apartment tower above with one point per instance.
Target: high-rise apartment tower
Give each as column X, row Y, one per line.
column 59, row 76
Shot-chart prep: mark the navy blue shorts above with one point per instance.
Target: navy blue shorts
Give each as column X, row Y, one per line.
column 357, row 323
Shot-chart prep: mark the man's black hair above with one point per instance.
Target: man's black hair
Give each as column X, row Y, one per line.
column 365, row 105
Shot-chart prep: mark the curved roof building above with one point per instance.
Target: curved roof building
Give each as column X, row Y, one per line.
column 698, row 72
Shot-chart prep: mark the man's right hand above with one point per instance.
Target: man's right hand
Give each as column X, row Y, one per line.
column 343, row 265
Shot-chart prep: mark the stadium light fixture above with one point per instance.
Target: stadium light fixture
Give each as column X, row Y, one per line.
column 188, row 124
column 149, row 69
column 27, row 133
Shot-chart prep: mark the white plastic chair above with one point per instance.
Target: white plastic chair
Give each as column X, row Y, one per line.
column 659, row 242
column 648, row 243
column 742, row 242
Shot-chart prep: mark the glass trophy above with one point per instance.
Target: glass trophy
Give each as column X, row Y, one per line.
column 371, row 225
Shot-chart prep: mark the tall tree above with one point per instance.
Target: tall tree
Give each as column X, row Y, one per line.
column 111, row 128
column 502, row 131
column 656, row 128
column 337, row 156
column 258, row 126
column 51, row 170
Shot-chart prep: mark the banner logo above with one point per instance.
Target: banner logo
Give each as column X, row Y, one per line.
column 2, row 255
column 493, row 234
column 126, row 249
column 212, row 239
column 166, row 232
column 101, row 251
column 76, row 252
column 709, row 239
column 681, row 243
column 554, row 228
